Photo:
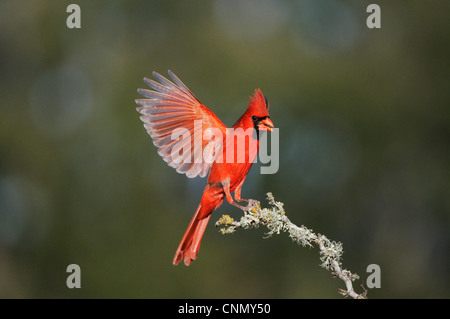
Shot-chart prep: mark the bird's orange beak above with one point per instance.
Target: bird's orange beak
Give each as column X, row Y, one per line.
column 266, row 125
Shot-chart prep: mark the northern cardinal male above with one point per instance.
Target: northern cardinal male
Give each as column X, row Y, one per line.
column 171, row 107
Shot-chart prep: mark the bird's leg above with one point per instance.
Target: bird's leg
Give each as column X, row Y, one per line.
column 226, row 189
column 237, row 197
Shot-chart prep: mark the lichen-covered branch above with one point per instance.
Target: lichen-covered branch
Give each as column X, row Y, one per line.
column 276, row 221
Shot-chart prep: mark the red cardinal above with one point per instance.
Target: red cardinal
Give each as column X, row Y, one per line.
column 173, row 106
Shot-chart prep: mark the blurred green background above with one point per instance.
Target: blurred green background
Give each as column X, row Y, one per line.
column 364, row 146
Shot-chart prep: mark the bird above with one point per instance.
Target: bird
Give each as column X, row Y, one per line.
column 194, row 141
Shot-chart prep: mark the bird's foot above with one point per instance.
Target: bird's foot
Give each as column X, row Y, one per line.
column 252, row 203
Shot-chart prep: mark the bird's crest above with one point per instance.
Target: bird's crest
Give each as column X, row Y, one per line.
column 258, row 102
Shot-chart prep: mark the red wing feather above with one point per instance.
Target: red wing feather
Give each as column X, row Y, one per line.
column 171, row 106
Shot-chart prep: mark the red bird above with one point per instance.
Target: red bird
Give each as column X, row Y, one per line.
column 171, row 106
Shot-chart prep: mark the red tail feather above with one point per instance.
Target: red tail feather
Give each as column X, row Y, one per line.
column 190, row 244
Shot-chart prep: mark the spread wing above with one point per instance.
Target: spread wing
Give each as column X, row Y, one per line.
column 177, row 121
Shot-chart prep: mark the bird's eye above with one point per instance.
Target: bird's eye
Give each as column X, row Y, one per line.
column 254, row 117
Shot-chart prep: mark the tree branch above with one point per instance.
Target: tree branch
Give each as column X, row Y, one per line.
column 276, row 221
